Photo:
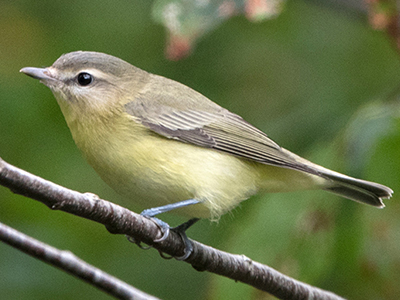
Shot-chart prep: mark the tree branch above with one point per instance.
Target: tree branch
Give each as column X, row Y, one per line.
column 119, row 220
column 71, row 264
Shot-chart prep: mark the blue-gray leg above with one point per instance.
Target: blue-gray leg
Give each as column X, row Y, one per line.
column 151, row 212
column 165, row 228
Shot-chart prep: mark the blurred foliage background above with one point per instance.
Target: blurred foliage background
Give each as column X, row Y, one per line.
column 316, row 78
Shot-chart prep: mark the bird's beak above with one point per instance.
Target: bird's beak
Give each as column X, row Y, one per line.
column 42, row 74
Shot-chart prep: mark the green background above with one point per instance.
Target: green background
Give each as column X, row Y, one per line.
column 318, row 80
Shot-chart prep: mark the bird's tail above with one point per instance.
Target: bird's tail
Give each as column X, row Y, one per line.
column 352, row 188
column 356, row 189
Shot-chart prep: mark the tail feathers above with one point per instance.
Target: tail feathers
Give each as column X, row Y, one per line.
column 358, row 190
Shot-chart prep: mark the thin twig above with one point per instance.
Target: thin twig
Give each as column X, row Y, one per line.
column 119, row 220
column 68, row 262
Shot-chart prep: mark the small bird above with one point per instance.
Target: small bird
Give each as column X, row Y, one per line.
column 167, row 147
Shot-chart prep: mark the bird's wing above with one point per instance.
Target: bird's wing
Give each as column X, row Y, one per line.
column 220, row 130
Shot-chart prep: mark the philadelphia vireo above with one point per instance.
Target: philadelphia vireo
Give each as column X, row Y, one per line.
column 161, row 144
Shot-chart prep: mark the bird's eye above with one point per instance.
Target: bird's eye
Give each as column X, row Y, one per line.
column 84, row 79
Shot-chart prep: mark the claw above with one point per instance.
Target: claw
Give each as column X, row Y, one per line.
column 164, row 228
column 164, row 256
column 165, row 233
column 138, row 243
column 188, row 246
column 181, row 230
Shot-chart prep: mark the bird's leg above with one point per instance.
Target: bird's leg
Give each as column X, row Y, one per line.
column 181, row 230
column 165, row 228
column 151, row 212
